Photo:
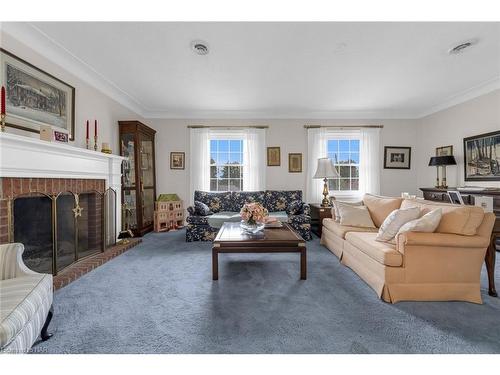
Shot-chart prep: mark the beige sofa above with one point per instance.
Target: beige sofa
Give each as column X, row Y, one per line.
column 440, row 266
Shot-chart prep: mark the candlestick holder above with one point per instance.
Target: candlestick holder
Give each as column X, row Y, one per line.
column 2, row 120
column 87, row 143
column 95, row 143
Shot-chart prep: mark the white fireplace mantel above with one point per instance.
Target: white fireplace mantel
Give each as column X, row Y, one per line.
column 30, row 157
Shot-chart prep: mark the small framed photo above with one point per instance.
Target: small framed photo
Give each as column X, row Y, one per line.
column 397, row 157
column 444, row 151
column 455, row 197
column 177, row 160
column 295, row 163
column 273, row 157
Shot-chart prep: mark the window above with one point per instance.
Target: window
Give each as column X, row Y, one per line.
column 344, row 154
column 226, row 164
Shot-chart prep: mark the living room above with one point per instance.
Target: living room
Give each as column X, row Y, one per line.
column 250, row 187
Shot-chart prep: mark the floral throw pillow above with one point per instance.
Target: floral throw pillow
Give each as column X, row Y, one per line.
column 200, row 209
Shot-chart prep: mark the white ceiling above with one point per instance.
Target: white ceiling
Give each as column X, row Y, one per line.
column 285, row 70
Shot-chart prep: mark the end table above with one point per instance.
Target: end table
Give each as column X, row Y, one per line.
column 318, row 213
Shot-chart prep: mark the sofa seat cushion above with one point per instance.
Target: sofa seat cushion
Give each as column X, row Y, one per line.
column 342, row 230
column 380, row 207
column 21, row 299
column 382, row 252
column 280, row 216
column 216, row 220
column 455, row 219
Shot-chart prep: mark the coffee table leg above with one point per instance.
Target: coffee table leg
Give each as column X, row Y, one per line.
column 215, row 264
column 303, row 264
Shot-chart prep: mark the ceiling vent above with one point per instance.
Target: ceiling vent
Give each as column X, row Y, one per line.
column 199, row 47
column 460, row 48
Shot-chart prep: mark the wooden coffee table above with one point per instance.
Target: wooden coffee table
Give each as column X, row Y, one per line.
column 231, row 239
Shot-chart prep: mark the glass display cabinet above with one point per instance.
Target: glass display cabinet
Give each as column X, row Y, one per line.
column 137, row 142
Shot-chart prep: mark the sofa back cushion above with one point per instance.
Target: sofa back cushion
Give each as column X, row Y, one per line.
column 239, row 198
column 455, row 219
column 380, row 207
column 215, row 201
column 278, row 200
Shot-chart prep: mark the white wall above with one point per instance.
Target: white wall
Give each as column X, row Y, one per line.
column 290, row 136
column 89, row 103
column 450, row 127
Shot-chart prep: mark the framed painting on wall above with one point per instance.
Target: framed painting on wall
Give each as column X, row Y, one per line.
column 177, row 160
column 482, row 157
column 397, row 157
column 273, row 157
column 35, row 97
column 295, row 163
column 444, row 151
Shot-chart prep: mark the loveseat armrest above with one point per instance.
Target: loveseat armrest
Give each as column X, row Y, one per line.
column 440, row 240
column 299, row 219
column 11, row 262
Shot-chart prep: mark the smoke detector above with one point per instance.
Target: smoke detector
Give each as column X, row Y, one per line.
column 199, row 47
column 460, row 48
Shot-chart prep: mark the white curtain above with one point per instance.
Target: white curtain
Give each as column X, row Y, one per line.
column 316, row 148
column 254, row 156
column 369, row 168
column 199, row 170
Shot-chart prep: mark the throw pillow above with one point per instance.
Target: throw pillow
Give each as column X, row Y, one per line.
column 335, row 209
column 394, row 221
column 427, row 223
column 354, row 216
column 296, row 208
column 380, row 207
column 201, row 209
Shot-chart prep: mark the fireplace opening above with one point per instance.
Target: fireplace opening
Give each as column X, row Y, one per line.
column 59, row 229
column 33, row 228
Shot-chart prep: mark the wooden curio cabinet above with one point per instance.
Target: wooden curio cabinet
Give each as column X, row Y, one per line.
column 137, row 142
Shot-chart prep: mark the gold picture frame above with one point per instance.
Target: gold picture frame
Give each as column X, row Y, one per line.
column 444, row 151
column 273, row 157
column 295, row 162
column 177, row 160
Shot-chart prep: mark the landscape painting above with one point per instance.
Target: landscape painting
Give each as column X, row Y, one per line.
column 34, row 97
column 482, row 157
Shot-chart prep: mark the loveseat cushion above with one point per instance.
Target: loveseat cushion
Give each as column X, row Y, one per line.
column 455, row 219
column 382, row 252
column 23, row 299
column 279, row 200
column 380, row 207
column 342, row 230
column 239, row 198
column 216, row 220
column 215, row 201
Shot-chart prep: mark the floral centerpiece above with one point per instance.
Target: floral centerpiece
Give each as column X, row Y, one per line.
column 253, row 217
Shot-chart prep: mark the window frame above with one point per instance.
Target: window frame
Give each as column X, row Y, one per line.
column 344, row 137
column 226, row 137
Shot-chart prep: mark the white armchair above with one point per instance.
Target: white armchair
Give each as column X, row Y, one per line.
column 25, row 301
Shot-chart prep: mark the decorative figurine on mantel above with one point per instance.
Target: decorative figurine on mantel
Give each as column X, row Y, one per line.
column 169, row 213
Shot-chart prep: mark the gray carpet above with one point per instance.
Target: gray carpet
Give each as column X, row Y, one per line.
column 159, row 298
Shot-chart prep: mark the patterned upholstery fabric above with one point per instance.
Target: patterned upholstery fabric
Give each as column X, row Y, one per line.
column 215, row 201
column 276, row 200
column 25, row 300
column 239, row 198
column 198, row 228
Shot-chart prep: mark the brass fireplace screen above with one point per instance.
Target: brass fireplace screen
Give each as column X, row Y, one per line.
column 59, row 230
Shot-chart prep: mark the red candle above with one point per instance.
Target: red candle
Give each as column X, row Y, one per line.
column 87, row 129
column 95, row 128
column 3, row 101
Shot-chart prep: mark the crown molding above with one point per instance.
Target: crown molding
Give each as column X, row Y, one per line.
column 278, row 115
column 35, row 39
column 464, row 96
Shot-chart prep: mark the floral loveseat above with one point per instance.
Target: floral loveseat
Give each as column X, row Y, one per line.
column 278, row 203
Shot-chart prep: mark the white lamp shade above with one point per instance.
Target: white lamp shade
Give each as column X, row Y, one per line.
column 325, row 169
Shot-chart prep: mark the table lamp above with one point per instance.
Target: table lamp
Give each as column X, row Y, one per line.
column 442, row 161
column 325, row 170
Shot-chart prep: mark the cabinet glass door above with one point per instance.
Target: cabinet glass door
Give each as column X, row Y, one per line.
column 147, row 179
